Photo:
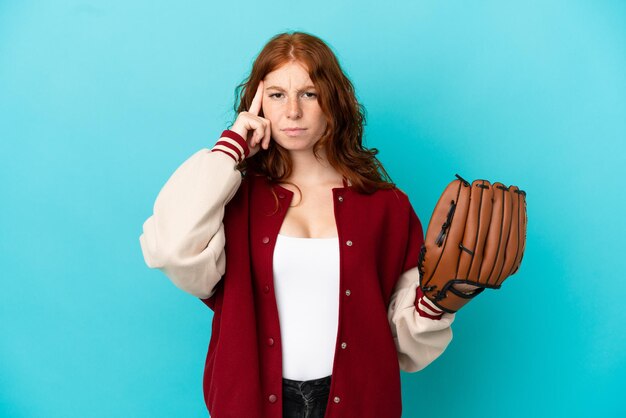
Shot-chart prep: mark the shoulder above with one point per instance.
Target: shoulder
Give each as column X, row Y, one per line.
column 392, row 203
column 393, row 196
column 254, row 177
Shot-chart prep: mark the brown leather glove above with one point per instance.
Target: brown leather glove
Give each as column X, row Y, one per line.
column 476, row 236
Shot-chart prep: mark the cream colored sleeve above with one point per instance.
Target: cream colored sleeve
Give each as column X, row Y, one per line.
column 419, row 340
column 184, row 237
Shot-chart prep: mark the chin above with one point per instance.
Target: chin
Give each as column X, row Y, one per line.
column 294, row 144
column 296, row 148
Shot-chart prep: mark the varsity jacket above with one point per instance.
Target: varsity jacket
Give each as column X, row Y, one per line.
column 212, row 233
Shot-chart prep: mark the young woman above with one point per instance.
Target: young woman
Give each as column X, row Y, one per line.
column 289, row 230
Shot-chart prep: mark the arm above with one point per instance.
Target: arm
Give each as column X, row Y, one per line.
column 184, row 237
column 421, row 332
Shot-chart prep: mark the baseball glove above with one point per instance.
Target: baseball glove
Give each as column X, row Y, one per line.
column 476, row 236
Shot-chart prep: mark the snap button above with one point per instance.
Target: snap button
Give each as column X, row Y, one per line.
column 349, row 243
column 266, row 240
column 336, row 399
column 348, row 292
column 340, row 198
column 266, row 289
column 270, row 341
column 281, row 196
column 272, row 398
column 344, row 345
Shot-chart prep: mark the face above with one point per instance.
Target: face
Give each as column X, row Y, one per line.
column 290, row 101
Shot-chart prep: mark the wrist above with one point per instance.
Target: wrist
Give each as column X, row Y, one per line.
column 425, row 307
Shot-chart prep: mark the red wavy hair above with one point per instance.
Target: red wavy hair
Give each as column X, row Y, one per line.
column 343, row 139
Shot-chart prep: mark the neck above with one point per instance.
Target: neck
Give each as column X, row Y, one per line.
column 309, row 171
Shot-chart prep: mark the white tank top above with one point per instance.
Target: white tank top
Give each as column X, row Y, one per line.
column 306, row 280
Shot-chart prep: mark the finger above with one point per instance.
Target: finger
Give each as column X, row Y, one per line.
column 268, row 135
column 257, row 132
column 255, row 107
column 254, row 131
column 262, row 133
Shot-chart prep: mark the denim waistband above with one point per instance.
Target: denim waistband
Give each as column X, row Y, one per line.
column 307, row 384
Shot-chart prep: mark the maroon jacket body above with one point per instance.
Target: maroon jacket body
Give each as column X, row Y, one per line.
column 380, row 237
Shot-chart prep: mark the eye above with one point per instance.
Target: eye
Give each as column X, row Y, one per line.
column 274, row 94
column 311, row 94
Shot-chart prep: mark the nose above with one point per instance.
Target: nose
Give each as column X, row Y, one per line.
column 293, row 108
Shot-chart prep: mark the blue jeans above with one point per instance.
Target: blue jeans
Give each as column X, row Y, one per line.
column 305, row 399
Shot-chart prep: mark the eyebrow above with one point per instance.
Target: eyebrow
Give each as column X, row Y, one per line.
column 281, row 89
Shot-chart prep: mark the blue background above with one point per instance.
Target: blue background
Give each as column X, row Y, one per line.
column 101, row 100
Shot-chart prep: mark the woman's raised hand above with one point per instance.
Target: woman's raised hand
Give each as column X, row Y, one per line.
column 255, row 129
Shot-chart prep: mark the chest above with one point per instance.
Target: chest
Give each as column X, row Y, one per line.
column 310, row 215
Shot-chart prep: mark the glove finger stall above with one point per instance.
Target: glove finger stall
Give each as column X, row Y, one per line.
column 522, row 220
column 494, row 250
column 511, row 245
column 476, row 230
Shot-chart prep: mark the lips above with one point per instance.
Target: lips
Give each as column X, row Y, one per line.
column 294, row 131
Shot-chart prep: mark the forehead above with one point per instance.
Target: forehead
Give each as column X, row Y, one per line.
column 290, row 75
